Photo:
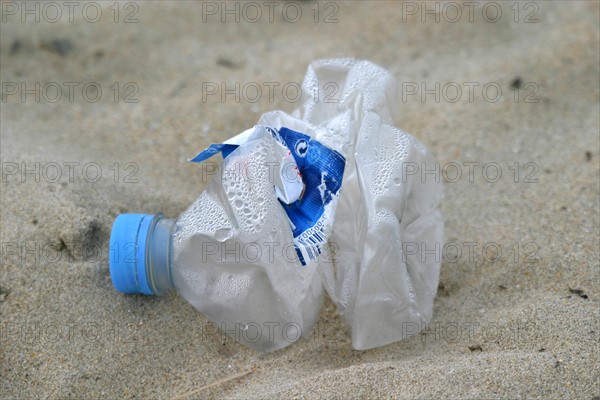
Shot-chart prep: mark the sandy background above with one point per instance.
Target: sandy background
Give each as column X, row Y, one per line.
column 524, row 325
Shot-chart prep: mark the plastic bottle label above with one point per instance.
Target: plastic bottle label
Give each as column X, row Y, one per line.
column 322, row 170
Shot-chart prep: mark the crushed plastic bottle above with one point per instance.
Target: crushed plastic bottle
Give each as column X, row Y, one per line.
column 320, row 200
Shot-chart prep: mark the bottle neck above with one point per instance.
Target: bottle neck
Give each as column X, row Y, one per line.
column 159, row 254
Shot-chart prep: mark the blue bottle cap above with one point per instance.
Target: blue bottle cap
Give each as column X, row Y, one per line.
column 127, row 253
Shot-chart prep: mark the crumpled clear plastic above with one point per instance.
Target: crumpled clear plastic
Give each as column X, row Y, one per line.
column 380, row 226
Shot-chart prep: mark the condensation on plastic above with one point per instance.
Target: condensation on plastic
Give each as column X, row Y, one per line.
column 382, row 294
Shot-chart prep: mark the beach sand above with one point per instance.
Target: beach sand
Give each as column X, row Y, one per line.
column 516, row 315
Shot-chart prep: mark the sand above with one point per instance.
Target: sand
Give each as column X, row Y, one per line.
column 520, row 324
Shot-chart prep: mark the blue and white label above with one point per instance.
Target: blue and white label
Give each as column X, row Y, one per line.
column 322, row 170
column 213, row 149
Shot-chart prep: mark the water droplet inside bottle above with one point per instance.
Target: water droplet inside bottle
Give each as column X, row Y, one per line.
column 222, row 234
